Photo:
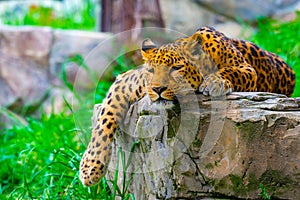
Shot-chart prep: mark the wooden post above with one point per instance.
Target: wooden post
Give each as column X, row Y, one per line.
column 106, row 15
column 122, row 15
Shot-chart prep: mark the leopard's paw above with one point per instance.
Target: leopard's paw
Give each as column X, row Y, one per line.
column 91, row 171
column 94, row 164
column 214, row 85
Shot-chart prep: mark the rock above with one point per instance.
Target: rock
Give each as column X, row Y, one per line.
column 31, row 60
column 233, row 29
column 249, row 10
column 192, row 16
column 185, row 16
column 213, row 148
column 67, row 44
column 24, row 54
column 189, row 15
column 27, row 43
column 25, row 84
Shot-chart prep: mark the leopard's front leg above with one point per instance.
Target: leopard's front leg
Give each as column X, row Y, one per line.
column 228, row 79
column 128, row 88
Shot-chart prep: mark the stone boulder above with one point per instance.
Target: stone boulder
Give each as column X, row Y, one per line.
column 31, row 62
column 190, row 17
column 24, row 54
column 249, row 10
column 225, row 15
column 213, row 148
column 67, row 44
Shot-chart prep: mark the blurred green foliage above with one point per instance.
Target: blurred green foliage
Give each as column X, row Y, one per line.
column 72, row 17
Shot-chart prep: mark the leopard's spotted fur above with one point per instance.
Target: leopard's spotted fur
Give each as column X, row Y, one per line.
column 186, row 64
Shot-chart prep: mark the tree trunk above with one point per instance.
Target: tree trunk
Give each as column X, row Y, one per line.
column 121, row 15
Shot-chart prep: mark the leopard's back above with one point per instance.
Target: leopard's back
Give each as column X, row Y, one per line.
column 274, row 74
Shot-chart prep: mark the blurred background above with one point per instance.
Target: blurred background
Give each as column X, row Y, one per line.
column 48, row 88
column 120, row 15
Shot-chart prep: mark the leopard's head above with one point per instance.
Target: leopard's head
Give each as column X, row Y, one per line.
column 174, row 68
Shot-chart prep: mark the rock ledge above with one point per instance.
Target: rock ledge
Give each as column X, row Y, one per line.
column 214, row 148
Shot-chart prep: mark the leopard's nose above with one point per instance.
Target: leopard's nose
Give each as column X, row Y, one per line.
column 159, row 90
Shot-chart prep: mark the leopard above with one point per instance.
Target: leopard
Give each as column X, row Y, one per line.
column 206, row 62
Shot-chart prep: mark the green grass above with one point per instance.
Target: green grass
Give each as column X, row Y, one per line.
column 282, row 38
column 41, row 161
column 80, row 17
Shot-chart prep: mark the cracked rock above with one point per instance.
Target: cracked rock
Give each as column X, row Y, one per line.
column 225, row 148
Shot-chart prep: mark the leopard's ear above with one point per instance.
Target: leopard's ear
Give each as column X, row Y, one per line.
column 197, row 38
column 148, row 47
column 194, row 46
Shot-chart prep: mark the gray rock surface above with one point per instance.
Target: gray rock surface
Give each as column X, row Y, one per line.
column 213, row 148
column 188, row 15
column 249, row 9
column 24, row 54
column 31, row 61
column 66, row 44
column 185, row 16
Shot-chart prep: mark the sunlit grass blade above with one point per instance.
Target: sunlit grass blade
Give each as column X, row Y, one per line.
column 68, row 104
column 17, row 119
column 131, row 154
